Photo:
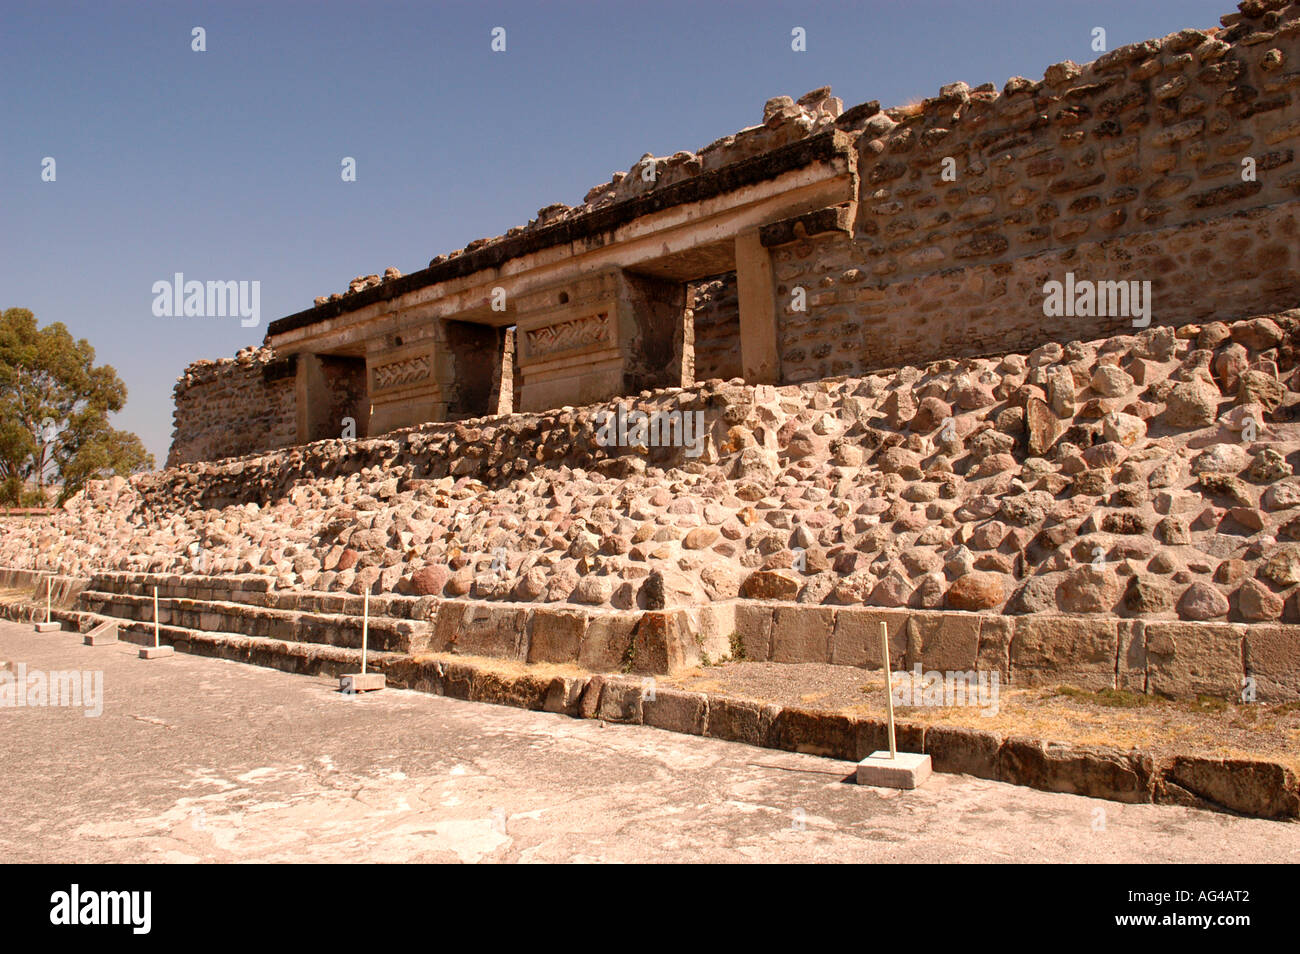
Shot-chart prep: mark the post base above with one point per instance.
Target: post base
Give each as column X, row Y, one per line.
column 906, row 770
column 362, row 682
column 156, row 652
column 48, row 627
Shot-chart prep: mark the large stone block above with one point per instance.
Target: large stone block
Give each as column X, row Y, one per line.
column 458, row 680
column 555, row 636
column 565, row 695
column 422, row 676
column 589, row 701
column 740, row 720
column 482, row 629
column 607, row 641
column 802, row 634
column 963, row 751
column 1185, row 660
column 754, row 630
column 943, row 641
column 521, row 690
column 620, row 701
column 1252, row 787
column 815, row 732
column 714, row 625
column 1273, row 660
column 1051, row 650
column 675, row 710
column 661, row 642
column 1079, row 770
column 856, row 640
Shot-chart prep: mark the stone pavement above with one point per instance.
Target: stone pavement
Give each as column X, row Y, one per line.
column 197, row 759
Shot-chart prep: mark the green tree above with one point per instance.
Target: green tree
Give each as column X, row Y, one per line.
column 54, row 407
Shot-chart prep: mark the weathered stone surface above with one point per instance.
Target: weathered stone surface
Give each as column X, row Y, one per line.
column 1063, row 650
column 802, row 634
column 1192, row 404
column 1190, row 659
column 1080, row 770
column 771, row 585
column 963, row 751
column 739, row 720
column 556, row 637
column 1261, row 789
column 674, row 710
column 856, row 639
column 620, row 701
column 1273, row 661
column 976, row 591
column 942, row 641
column 661, row 643
column 1201, row 601
column 606, row 641
column 1042, row 426
column 815, row 732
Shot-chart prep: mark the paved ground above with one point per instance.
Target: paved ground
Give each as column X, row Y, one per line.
column 204, row 760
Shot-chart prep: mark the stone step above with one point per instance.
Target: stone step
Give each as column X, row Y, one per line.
column 313, row 659
column 385, row 634
column 1250, row 787
column 257, row 590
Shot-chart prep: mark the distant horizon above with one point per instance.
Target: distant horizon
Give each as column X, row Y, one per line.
column 224, row 165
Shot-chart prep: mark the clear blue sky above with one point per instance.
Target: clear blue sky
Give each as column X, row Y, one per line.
column 224, row 165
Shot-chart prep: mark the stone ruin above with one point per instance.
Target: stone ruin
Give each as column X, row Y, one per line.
column 892, row 427
column 823, row 242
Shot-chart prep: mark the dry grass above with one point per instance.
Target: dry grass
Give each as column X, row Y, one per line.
column 1108, row 718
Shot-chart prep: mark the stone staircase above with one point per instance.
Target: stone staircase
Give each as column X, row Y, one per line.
column 233, row 617
column 247, row 606
column 243, row 617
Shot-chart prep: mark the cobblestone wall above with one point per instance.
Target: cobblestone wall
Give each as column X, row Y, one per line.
column 233, row 406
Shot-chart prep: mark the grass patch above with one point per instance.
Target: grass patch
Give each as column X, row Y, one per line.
column 1112, row 698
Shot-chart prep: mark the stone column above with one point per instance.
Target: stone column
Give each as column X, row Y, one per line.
column 760, row 355
column 311, row 397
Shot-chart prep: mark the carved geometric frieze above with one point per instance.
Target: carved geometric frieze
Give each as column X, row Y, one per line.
column 397, row 373
column 566, row 335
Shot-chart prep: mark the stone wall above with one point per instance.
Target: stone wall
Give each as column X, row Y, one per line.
column 716, row 314
column 1133, row 167
column 234, row 406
